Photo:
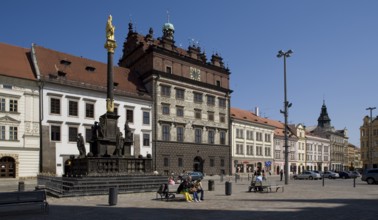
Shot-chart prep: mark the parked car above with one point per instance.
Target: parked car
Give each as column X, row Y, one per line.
column 307, row 175
column 196, row 175
column 331, row 175
column 345, row 174
column 370, row 175
column 354, row 174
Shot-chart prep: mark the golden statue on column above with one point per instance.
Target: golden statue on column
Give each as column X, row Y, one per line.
column 110, row 44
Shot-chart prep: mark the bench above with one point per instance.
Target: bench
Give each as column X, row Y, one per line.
column 24, row 199
column 264, row 186
column 165, row 192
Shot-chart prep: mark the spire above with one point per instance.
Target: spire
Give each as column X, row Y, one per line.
column 168, row 29
column 324, row 121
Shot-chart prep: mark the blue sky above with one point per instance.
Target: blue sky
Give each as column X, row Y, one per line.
column 335, row 46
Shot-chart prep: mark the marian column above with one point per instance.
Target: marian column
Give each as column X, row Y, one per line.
column 110, row 45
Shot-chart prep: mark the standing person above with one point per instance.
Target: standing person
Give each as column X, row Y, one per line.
column 199, row 188
column 263, row 174
column 281, row 174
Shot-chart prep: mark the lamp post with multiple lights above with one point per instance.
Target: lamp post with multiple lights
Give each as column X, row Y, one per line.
column 287, row 105
column 370, row 138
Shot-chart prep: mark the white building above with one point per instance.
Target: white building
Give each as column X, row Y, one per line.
column 74, row 97
column 252, row 142
column 19, row 121
column 317, row 153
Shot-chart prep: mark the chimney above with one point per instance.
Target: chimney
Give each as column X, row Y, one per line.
column 257, row 111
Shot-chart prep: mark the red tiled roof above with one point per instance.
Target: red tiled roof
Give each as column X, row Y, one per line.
column 77, row 69
column 14, row 62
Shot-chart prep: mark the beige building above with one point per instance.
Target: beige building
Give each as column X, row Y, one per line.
column 369, row 142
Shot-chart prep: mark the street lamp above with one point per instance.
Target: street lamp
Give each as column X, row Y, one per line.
column 370, row 137
column 287, row 105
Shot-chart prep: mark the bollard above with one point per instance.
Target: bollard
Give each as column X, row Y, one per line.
column 228, row 188
column 21, row 186
column 323, row 180
column 221, row 178
column 113, row 195
column 211, row 185
column 354, row 182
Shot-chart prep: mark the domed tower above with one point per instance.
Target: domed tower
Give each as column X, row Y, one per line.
column 168, row 31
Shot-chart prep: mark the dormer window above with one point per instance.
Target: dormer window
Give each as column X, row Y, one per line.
column 65, row 62
column 90, row 68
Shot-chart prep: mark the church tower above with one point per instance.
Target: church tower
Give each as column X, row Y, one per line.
column 324, row 121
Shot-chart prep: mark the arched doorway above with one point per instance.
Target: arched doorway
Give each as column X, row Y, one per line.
column 7, row 167
column 198, row 164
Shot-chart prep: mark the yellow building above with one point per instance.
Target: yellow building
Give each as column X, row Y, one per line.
column 369, row 142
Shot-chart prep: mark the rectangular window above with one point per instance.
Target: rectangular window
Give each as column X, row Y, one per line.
column 180, row 94
column 165, row 109
column 267, row 138
column 2, row 104
column 239, row 149
column 88, row 135
column 166, row 161
column 239, row 133
column 168, row 69
column 13, row 105
column 89, row 110
column 197, row 97
column 198, row 135
column 210, row 116
column 13, row 133
column 292, row 156
column 222, row 137
column 166, row 91
column 211, row 134
column 222, row 102
column 212, row 163
column 222, row 162
column 72, row 134
column 259, row 151
column 277, row 154
column 249, row 135
column 2, row 132
column 130, row 115
column 166, row 132
column 197, row 114
column 72, row 108
column 54, row 106
column 55, row 133
column 258, row 136
column 267, row 151
column 211, row 100
column 179, row 111
column 222, row 118
column 146, row 140
column 146, row 118
column 249, row 150
column 180, row 134
column 180, row 162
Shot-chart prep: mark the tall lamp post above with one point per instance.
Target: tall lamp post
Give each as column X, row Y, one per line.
column 370, row 148
column 287, row 105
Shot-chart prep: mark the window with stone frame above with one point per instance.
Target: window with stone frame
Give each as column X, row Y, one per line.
column 222, row 163
column 179, row 111
column 222, row 102
column 259, row 151
column 89, row 110
column 180, row 133
column 210, row 100
column 88, row 135
column 267, row 151
column 165, row 90
column 212, row 162
column 197, row 113
column 180, row 94
column 2, row 105
column 240, row 133
column 267, row 137
column 55, row 106
column 168, row 69
column 166, row 161
column 165, row 109
column 13, row 105
column 55, row 132
column 198, row 135
column 222, row 118
column 277, row 154
column 166, row 132
column 222, row 137
column 239, row 149
column 146, row 117
column 258, row 136
column 197, row 97
column 249, row 135
column 180, row 162
column 211, row 136
column 73, row 108
column 13, row 134
column 210, row 116
column 72, row 134
column 146, row 139
column 130, row 115
column 2, row 132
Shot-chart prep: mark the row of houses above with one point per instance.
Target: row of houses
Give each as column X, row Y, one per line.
column 175, row 101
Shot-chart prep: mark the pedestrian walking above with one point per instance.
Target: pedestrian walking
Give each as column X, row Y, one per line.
column 281, row 174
